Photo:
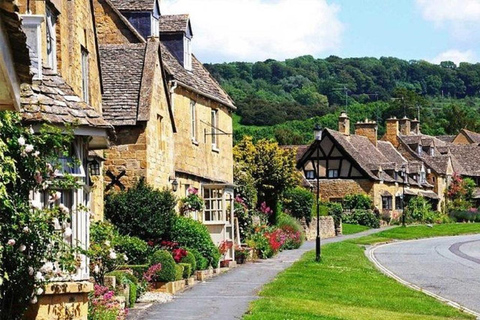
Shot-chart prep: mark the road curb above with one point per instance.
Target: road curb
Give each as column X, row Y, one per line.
column 371, row 256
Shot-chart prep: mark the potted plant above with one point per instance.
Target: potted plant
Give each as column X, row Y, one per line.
column 191, row 203
column 223, row 248
column 242, row 254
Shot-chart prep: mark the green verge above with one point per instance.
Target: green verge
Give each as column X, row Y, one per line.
column 352, row 228
column 346, row 285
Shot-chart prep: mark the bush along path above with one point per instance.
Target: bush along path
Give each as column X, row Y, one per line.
column 228, row 295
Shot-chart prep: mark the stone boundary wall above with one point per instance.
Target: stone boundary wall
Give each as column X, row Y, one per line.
column 327, row 228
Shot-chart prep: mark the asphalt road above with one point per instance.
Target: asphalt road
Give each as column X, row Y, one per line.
column 448, row 266
column 228, row 295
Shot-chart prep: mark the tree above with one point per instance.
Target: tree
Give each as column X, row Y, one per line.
column 272, row 169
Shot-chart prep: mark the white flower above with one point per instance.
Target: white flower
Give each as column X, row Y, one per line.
column 30, row 271
column 31, row 130
column 96, row 269
column 39, row 291
column 47, row 267
column 33, row 300
column 22, row 248
column 21, row 141
column 63, row 208
column 125, row 257
column 56, row 223
column 68, row 232
column 36, row 205
column 36, row 153
column 113, row 255
column 28, row 148
column 26, row 229
column 11, row 242
column 107, row 243
column 39, row 276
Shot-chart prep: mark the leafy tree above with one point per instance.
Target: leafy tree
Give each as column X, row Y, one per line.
column 272, row 169
column 298, row 202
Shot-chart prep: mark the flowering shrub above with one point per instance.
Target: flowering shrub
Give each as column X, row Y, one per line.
column 32, row 240
column 192, row 202
column 173, row 247
column 103, row 256
column 103, row 306
column 150, row 274
column 243, row 216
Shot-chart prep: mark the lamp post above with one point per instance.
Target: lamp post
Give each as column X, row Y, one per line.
column 317, row 131
column 405, row 179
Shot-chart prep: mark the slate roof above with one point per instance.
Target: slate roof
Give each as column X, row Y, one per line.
column 52, row 100
column 474, row 137
column 122, row 71
column 468, row 157
column 199, row 79
column 174, row 23
column 446, row 138
column 17, row 39
column 134, row 5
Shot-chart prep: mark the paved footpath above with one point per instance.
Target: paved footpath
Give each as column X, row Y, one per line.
column 228, row 295
column 448, row 267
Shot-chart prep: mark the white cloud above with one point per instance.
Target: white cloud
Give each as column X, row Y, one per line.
column 251, row 30
column 460, row 17
column 456, row 56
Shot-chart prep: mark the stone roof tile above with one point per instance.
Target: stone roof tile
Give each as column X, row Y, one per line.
column 174, row 23
column 134, row 5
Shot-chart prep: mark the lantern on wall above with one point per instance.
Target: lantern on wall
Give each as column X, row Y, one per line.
column 94, row 167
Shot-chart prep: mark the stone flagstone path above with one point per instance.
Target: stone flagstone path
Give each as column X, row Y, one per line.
column 228, row 295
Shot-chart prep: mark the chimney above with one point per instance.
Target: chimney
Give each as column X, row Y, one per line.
column 344, row 124
column 391, row 131
column 404, row 126
column 367, row 129
column 31, row 26
column 415, row 126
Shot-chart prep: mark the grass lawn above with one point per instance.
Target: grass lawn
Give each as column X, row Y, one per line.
column 345, row 285
column 352, row 228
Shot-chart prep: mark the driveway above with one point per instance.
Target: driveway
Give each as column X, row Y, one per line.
column 448, row 267
column 228, row 295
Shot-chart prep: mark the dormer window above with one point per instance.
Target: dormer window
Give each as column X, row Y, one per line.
column 155, row 22
column 51, row 39
column 419, row 150
column 187, row 54
column 432, row 152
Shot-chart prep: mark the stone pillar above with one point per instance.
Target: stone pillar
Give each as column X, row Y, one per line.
column 367, row 129
column 391, row 133
column 415, row 126
column 404, row 126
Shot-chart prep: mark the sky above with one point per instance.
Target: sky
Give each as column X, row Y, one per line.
column 256, row 30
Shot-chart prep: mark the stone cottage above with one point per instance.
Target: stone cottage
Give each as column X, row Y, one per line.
column 66, row 89
column 360, row 163
column 173, row 120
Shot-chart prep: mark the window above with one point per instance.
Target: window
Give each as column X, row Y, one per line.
column 387, row 203
column 333, row 173
column 213, row 205
column 187, row 54
column 214, row 123
column 310, row 174
column 159, row 138
column 423, row 177
column 154, row 26
column 193, row 114
column 69, row 163
column 398, row 203
column 85, row 74
column 51, row 39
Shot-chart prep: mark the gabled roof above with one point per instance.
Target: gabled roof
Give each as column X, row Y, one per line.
column 473, row 137
column 122, row 71
column 198, row 80
column 174, row 23
column 446, row 138
column 134, row 5
column 52, row 100
column 468, row 159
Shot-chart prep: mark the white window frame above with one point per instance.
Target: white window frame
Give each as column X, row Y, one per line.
column 215, row 206
column 187, row 53
column 193, row 121
column 154, row 26
column 51, row 32
column 76, row 156
column 85, row 80
column 214, row 124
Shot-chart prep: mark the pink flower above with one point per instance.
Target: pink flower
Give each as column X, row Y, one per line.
column 38, row 177
column 11, row 242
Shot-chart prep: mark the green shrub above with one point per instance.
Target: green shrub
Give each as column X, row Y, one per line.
column 298, row 202
column 293, row 230
column 336, row 211
column 243, row 216
column 187, row 270
column 179, row 272
column 362, row 217
column 141, row 211
column 190, row 259
column 357, row 201
column 137, row 270
column 135, row 248
column 420, row 210
column 192, row 234
column 167, row 273
column 126, row 278
column 201, row 262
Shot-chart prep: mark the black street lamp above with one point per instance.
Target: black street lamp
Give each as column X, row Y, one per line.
column 405, row 180
column 317, row 132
